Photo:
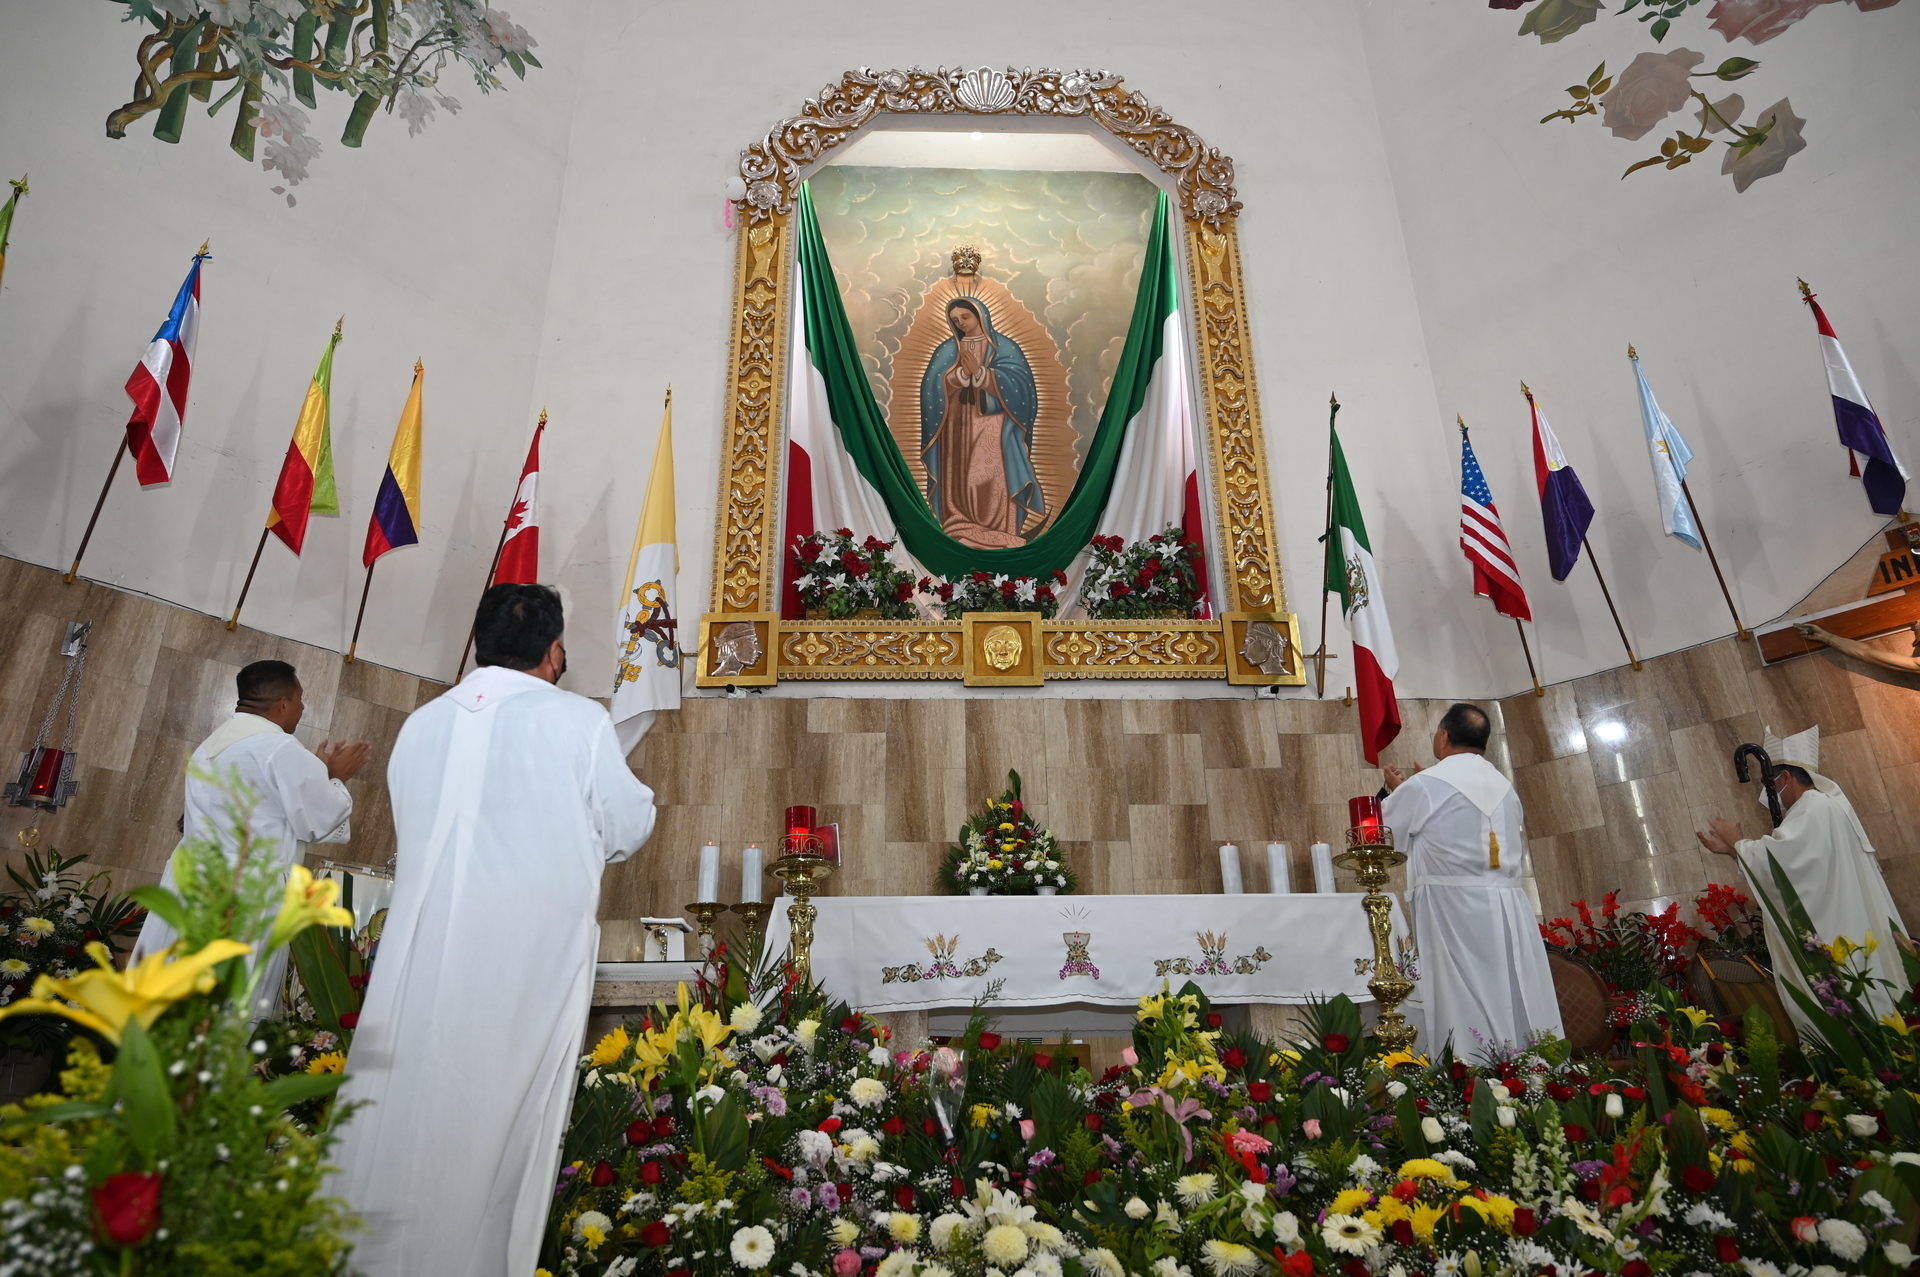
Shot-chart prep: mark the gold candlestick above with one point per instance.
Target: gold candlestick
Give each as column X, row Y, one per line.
column 755, row 914
column 803, row 872
column 704, row 912
column 1370, row 855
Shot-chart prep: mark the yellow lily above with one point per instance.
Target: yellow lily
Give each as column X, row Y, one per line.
column 651, row 1051
column 1897, row 1023
column 1695, row 1015
column 309, row 903
column 105, row 999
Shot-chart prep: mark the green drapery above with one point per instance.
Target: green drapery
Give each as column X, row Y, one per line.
column 864, row 432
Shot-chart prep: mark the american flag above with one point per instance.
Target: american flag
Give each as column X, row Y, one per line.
column 1495, row 575
column 158, row 386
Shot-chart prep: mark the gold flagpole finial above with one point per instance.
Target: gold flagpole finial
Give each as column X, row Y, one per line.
column 1631, row 353
column 418, row 367
column 1525, row 391
column 543, row 415
column 1333, row 398
column 669, row 402
column 337, row 325
column 1804, row 290
column 205, row 244
column 1461, row 422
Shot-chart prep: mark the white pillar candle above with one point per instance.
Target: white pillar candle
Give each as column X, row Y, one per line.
column 750, row 875
column 1230, row 870
column 709, row 874
column 1323, row 869
column 1279, row 873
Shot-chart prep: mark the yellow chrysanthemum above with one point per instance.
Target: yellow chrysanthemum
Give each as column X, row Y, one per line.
column 1425, row 1218
column 1494, row 1209
column 327, row 1062
column 1349, row 1201
column 1390, row 1209
column 982, row 1115
column 1006, row 828
column 1722, row 1119
column 610, row 1048
column 1425, row 1168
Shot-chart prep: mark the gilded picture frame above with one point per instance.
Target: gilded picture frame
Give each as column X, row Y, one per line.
column 746, row 565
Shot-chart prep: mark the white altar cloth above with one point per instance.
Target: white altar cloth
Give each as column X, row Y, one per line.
column 909, row 953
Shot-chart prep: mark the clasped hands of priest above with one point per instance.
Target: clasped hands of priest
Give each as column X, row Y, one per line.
column 1721, row 834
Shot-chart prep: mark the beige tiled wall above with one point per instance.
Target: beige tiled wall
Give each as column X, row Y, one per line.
column 1616, row 770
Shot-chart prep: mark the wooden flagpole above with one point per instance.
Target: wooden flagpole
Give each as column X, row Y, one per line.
column 1531, row 672
column 1320, row 658
column 1714, row 559
column 1608, row 596
column 233, row 622
column 353, row 644
column 493, row 567
column 112, row 470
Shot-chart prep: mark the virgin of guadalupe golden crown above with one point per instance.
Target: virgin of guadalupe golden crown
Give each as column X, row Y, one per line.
column 966, row 260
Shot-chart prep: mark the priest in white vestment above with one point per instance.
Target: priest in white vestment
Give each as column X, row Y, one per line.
column 1483, row 967
column 301, row 797
column 1825, row 853
column 510, row 797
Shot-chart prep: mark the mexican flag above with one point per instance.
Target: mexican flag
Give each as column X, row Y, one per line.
column 844, row 470
column 1352, row 574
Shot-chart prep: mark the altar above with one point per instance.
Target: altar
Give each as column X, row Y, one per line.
column 1082, row 963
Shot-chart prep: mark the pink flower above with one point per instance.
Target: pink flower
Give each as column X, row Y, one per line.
column 1128, row 1057
column 1758, row 20
column 1806, row 1229
column 847, row 1262
column 1653, row 86
column 1026, row 1129
column 1311, row 1128
column 1248, row 1142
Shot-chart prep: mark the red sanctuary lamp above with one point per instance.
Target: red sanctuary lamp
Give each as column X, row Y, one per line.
column 799, row 838
column 1365, row 825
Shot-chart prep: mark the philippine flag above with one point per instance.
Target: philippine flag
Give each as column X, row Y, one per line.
column 520, row 552
column 158, row 386
column 1860, row 430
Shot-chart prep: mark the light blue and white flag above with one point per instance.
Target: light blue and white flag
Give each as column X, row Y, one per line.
column 1670, row 456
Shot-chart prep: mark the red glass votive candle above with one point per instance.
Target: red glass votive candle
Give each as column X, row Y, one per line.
column 1363, row 812
column 46, row 778
column 801, row 819
column 827, row 839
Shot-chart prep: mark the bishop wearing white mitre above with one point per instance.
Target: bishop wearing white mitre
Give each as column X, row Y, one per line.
column 510, row 797
column 1483, row 967
column 299, row 796
column 1825, row 853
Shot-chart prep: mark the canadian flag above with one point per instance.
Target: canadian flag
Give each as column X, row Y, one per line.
column 520, row 553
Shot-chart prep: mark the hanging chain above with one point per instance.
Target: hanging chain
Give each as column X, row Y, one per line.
column 78, row 671
column 53, row 707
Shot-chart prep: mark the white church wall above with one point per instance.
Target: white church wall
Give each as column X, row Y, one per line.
column 1533, row 259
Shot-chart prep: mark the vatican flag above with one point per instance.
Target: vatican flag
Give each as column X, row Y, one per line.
column 647, row 645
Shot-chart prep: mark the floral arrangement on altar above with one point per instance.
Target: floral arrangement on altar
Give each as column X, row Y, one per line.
column 987, row 592
column 1737, row 928
column 174, row 1154
column 758, row 1126
column 840, row 580
column 1003, row 853
column 46, row 924
column 1628, row 951
column 1150, row 579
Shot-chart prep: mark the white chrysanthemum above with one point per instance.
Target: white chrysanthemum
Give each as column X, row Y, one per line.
column 1702, row 1215
column 13, row 967
column 1102, row 1262
column 1349, row 1234
column 1823, row 1270
column 1527, row 1255
column 39, row 926
column 1286, row 1229
column 752, row 1247
column 1193, row 1190
column 815, row 1147
column 1047, row 1238
column 936, row 1270
column 745, row 1018
column 898, row 1264
column 1168, row 1266
column 1879, row 1202
column 1843, row 1239
column 1229, row 1259
column 591, row 1219
column 943, row 1230
column 1043, row 1265
column 1137, row 1209
column 863, row 1148
column 806, row 1031
column 868, row 1092
column 1362, row 1168
column 1165, row 1214
column 903, row 1227
column 1004, row 1244
column 1759, row 1268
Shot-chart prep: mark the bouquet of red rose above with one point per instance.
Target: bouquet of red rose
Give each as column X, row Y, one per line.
column 1003, row 853
column 986, row 592
column 838, row 579
column 1153, row 578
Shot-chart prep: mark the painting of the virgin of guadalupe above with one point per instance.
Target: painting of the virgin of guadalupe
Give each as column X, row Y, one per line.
column 977, row 407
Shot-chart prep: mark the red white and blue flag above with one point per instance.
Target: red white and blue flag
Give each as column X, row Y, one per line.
column 1495, row 575
column 1885, row 478
column 158, row 386
column 1564, row 507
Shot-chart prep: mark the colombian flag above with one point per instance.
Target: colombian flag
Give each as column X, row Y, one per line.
column 306, row 477
column 396, row 511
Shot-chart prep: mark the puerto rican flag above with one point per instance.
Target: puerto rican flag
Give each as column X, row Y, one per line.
column 158, row 386
column 1860, row 430
column 520, row 552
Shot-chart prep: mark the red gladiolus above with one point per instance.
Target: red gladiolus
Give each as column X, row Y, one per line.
column 655, row 1234
column 903, row 1197
column 639, row 1131
column 1042, row 1062
column 1726, row 1249
column 1336, row 1042
column 894, row 1126
column 1467, row 1092
column 1697, row 1179
column 1574, row 1133
column 602, row 1174
column 1298, row 1264
column 1093, row 1122
column 782, row 1171
column 1260, row 1092
column 1634, row 1092
column 649, row 1172
column 129, row 1207
column 1525, row 1221
column 989, row 1041
column 351, row 1020
column 828, row 1126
